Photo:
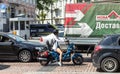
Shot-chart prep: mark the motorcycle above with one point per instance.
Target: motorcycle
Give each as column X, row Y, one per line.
column 46, row 56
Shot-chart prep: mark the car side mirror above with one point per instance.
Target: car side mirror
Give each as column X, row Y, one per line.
column 11, row 42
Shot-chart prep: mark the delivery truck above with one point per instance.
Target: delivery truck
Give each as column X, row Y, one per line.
column 87, row 23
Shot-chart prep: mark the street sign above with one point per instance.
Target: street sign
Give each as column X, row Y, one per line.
column 3, row 7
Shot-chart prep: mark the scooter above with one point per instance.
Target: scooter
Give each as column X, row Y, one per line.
column 46, row 56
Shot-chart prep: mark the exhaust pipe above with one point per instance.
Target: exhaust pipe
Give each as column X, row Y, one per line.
column 44, row 59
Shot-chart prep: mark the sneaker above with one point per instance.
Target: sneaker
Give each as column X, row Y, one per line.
column 59, row 63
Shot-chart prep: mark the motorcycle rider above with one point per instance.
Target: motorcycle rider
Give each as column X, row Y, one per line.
column 55, row 45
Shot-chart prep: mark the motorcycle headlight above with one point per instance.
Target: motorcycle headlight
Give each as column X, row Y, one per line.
column 39, row 48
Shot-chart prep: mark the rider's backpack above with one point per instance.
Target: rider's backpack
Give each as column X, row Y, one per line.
column 50, row 43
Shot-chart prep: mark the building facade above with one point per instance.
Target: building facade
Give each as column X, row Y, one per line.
column 17, row 15
column 57, row 10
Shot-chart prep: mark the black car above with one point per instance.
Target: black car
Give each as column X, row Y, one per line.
column 106, row 55
column 15, row 47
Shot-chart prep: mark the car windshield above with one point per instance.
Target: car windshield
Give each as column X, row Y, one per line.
column 61, row 28
column 61, row 34
column 17, row 38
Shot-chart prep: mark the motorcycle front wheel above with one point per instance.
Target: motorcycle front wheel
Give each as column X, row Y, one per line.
column 44, row 62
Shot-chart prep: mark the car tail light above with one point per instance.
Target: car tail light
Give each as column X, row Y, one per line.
column 97, row 48
column 41, row 39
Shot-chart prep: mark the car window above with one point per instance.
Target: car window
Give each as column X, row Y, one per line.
column 17, row 38
column 61, row 34
column 115, row 40
column 106, row 41
column 4, row 39
column 118, row 41
column 0, row 38
column 110, row 40
column 61, row 28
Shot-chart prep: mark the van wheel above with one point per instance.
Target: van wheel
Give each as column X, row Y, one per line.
column 109, row 64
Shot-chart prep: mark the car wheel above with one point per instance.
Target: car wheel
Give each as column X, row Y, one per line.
column 109, row 64
column 25, row 56
column 78, row 60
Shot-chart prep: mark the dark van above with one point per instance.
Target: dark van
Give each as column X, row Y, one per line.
column 37, row 30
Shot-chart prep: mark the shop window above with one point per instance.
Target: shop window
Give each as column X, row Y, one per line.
column 79, row 1
column 16, row 25
column 87, row 0
column 22, row 25
column 12, row 15
column 27, row 24
column 11, row 26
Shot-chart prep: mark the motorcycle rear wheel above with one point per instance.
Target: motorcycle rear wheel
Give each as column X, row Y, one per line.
column 44, row 62
column 78, row 60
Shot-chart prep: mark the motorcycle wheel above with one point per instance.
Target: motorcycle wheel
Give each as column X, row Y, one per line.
column 43, row 62
column 77, row 60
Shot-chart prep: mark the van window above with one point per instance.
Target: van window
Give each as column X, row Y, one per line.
column 37, row 30
column 50, row 27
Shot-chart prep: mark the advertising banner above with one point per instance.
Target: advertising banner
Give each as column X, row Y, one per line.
column 92, row 19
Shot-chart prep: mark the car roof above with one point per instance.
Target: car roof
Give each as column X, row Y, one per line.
column 40, row 24
column 4, row 33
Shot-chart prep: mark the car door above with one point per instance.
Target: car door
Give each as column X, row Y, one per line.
column 6, row 47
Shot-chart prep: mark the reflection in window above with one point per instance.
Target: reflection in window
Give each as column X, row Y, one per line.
column 15, row 37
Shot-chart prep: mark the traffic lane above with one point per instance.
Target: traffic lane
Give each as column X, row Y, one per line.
column 20, row 68
column 15, row 67
column 69, row 67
